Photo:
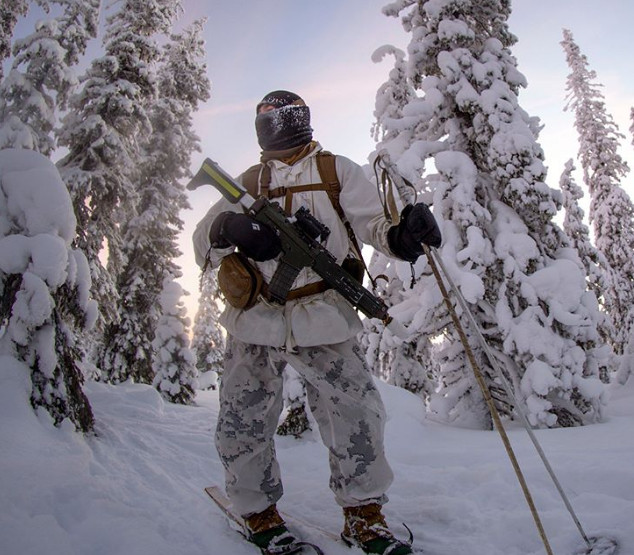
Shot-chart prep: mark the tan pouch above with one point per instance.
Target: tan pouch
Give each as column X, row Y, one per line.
column 239, row 281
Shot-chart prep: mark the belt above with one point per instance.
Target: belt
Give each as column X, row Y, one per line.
column 300, row 292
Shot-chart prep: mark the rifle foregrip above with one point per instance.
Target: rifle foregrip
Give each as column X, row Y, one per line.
column 282, row 281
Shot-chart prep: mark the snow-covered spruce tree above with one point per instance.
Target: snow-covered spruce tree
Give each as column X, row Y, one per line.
column 174, row 363
column 10, row 12
column 512, row 263
column 44, row 283
column 627, row 359
column 405, row 364
column 208, row 341
column 411, row 135
column 41, row 76
column 392, row 95
column 77, row 25
column 611, row 210
column 102, row 130
column 150, row 235
column 593, row 261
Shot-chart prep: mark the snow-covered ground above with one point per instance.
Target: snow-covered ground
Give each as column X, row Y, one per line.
column 137, row 488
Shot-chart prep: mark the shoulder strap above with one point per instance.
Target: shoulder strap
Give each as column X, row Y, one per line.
column 250, row 179
column 326, row 164
column 257, row 180
column 328, row 173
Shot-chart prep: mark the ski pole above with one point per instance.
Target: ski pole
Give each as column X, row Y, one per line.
column 489, row 400
column 518, row 408
column 591, row 542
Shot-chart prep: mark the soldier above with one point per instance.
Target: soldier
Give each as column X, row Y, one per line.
column 314, row 332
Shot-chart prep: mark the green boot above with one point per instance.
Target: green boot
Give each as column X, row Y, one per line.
column 268, row 531
column 365, row 527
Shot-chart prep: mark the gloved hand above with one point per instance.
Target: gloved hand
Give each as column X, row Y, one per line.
column 417, row 225
column 256, row 240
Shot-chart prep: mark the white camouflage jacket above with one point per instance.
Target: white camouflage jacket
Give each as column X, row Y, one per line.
column 321, row 319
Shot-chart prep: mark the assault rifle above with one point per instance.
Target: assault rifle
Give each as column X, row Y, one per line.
column 300, row 237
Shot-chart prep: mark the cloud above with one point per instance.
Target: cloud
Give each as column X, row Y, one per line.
column 226, row 109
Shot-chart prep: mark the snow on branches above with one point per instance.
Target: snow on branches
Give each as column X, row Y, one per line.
column 174, row 362
column 45, row 285
column 470, row 148
column 611, row 209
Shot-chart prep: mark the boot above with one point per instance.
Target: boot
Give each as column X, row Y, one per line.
column 365, row 527
column 268, row 531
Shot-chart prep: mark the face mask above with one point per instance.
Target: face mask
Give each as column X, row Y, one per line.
column 283, row 128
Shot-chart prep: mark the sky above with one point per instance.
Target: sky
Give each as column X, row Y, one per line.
column 322, row 51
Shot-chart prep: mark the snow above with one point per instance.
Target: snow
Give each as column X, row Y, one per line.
column 37, row 209
column 38, row 225
column 137, row 486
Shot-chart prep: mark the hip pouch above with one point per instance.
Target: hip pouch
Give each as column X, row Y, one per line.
column 240, row 281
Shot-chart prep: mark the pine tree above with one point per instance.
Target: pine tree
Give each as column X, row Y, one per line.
column 150, row 236
column 208, row 341
column 102, row 132
column 393, row 95
column 611, row 210
column 41, row 77
column 458, row 400
column 45, row 285
column 77, row 25
column 10, row 12
column 627, row 360
column 501, row 245
column 593, row 261
column 174, row 362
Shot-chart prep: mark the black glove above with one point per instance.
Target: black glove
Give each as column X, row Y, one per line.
column 417, row 226
column 256, row 240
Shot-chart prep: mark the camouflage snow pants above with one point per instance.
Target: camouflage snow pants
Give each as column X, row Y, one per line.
column 343, row 400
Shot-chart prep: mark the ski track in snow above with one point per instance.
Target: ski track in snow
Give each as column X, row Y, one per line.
column 137, row 488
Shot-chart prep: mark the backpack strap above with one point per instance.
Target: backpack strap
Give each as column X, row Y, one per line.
column 250, row 179
column 328, row 173
column 257, row 179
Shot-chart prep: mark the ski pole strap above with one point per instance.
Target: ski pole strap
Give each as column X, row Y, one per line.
column 385, row 176
column 495, row 415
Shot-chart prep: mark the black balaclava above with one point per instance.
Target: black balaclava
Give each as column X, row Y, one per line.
column 287, row 126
